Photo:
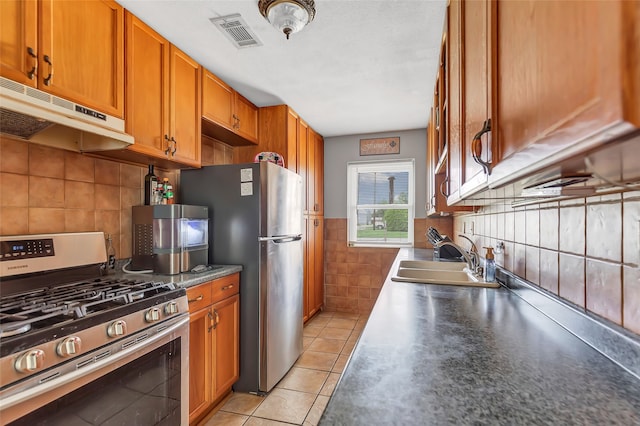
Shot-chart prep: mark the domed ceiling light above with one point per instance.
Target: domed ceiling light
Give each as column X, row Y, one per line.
column 288, row 16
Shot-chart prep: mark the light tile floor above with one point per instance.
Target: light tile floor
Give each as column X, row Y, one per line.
column 302, row 395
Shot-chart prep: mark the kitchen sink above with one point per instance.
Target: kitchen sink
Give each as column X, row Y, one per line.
column 433, row 265
column 425, row 272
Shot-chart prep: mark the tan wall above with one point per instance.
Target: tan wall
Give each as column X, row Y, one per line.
column 354, row 275
column 587, row 251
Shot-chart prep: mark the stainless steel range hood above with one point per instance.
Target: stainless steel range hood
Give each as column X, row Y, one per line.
column 39, row 117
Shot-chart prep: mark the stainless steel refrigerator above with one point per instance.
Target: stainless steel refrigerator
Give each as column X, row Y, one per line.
column 256, row 221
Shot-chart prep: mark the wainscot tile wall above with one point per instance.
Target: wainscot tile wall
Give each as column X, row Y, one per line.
column 586, row 250
column 354, row 275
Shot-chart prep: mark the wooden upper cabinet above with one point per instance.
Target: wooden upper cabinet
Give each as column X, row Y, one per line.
column 315, row 167
column 217, row 100
column 19, row 41
column 568, row 80
column 147, row 87
column 476, row 99
column 163, row 98
column 228, row 116
column 185, row 111
column 85, row 69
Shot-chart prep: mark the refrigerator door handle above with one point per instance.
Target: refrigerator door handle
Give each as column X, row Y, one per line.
column 279, row 240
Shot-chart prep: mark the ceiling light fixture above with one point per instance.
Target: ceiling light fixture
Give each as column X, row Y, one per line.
column 288, row 16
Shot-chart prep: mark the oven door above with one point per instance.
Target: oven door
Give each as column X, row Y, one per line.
column 145, row 384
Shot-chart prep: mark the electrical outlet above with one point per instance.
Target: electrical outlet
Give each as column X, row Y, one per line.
column 499, row 247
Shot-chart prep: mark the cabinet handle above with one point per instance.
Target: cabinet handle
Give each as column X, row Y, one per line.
column 197, row 299
column 168, row 150
column 215, row 323
column 476, row 147
column 442, row 189
column 175, row 146
column 236, row 124
column 47, row 80
column 211, row 322
column 32, row 71
column 227, row 287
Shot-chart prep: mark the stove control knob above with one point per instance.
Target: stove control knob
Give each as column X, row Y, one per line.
column 117, row 328
column 69, row 347
column 171, row 308
column 152, row 315
column 30, row 361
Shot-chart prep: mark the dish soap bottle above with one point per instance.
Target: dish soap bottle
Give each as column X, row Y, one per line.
column 489, row 266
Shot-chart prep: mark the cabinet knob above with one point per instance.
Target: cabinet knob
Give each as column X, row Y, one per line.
column 476, row 147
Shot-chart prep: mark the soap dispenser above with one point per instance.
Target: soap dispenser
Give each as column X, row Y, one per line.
column 489, row 266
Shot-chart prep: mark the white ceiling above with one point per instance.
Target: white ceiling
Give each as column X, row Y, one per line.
column 361, row 66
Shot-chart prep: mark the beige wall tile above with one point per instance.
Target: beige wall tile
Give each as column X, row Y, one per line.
column 107, row 197
column 533, row 265
column 14, row 190
column 631, row 233
column 79, row 195
column 572, row 283
column 14, row 220
column 133, row 176
column 45, row 161
column 77, row 220
column 509, row 226
column 572, row 229
column 631, row 297
column 549, row 270
column 130, row 197
column 46, row 192
column 520, row 224
column 107, row 221
column 107, row 172
column 549, row 227
column 532, row 221
column 519, row 260
column 14, row 156
column 79, row 167
column 604, row 289
column 604, row 228
column 46, row 220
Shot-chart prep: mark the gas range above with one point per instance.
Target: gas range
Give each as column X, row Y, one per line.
column 59, row 316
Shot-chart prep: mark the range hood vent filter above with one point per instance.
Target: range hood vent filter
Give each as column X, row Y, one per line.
column 236, row 30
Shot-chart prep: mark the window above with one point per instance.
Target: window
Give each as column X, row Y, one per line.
column 380, row 203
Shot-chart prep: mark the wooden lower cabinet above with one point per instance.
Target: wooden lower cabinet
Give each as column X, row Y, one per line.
column 214, row 309
column 313, row 289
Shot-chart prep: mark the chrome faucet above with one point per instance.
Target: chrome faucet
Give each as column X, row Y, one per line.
column 473, row 253
column 471, row 257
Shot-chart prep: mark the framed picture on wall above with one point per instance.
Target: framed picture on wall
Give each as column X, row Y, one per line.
column 380, row 146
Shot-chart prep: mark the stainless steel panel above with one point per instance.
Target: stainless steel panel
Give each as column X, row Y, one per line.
column 281, row 313
column 281, row 201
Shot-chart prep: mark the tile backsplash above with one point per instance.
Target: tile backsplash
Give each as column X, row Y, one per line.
column 45, row 190
column 585, row 250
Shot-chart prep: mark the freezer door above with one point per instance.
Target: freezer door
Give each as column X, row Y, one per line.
column 281, row 201
column 281, row 316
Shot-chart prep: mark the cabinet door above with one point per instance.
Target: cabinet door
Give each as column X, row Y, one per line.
column 19, row 41
column 315, row 173
column 247, row 118
column 226, row 345
column 302, row 145
column 561, row 67
column 291, row 147
column 200, row 362
column 308, row 272
column 83, row 42
column 317, row 290
column 217, row 101
column 185, row 110
column 147, row 88
column 454, row 98
column 477, row 90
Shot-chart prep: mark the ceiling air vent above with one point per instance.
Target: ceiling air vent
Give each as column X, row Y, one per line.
column 236, row 30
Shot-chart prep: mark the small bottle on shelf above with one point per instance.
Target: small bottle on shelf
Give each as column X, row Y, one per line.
column 150, row 186
column 111, row 256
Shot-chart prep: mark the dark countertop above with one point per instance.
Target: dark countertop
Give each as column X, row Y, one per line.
column 437, row 354
column 188, row 279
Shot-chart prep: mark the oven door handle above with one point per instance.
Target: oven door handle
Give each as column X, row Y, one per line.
column 117, row 358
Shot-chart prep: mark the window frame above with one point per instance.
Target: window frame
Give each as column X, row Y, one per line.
column 356, row 167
